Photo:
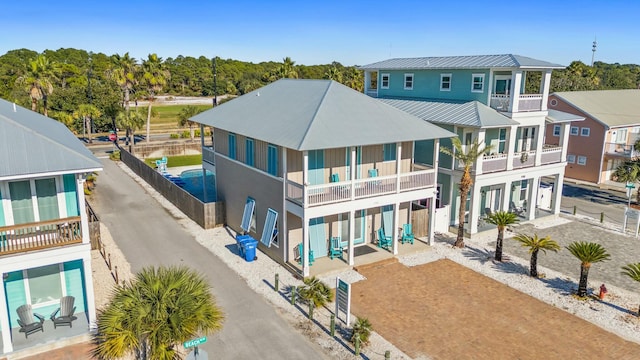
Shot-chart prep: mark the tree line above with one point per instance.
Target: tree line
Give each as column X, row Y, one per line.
column 91, row 91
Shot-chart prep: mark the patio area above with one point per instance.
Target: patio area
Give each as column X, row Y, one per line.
column 53, row 338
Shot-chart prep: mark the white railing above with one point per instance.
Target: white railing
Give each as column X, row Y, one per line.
column 500, row 102
column 551, row 154
column 530, row 102
column 323, row 194
column 372, row 92
column 524, row 159
column 208, row 155
column 620, row 149
column 493, row 163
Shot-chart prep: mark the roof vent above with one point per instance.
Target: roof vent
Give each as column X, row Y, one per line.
column 14, row 108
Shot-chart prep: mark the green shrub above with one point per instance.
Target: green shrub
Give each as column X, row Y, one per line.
column 174, row 136
column 362, row 330
column 115, row 156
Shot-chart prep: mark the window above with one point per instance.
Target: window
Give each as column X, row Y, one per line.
column 249, row 216
column 556, row 130
column 477, row 83
column 21, row 202
column 249, row 157
column 574, row 130
column 272, row 160
column 47, row 199
column 389, row 152
column 445, row 82
column 270, row 230
column 408, row 81
column 45, row 284
column 585, row 131
column 502, row 140
column 384, row 81
column 232, row 146
column 571, row 159
column 582, row 160
column 523, row 189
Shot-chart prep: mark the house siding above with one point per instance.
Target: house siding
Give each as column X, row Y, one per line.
column 15, row 295
column 74, row 280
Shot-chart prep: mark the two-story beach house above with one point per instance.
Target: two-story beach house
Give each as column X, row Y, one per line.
column 313, row 164
column 605, row 139
column 488, row 99
column 45, row 251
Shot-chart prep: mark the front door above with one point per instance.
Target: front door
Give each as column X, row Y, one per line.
column 316, row 167
column 358, row 162
column 527, row 138
column 360, row 226
column 318, row 237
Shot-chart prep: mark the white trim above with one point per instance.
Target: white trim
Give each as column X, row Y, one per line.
column 27, row 286
column 583, row 133
column 571, row 159
column 556, row 127
column 382, row 75
column 413, row 79
column 582, row 160
column 577, row 131
column 473, row 83
column 47, row 174
column 442, row 81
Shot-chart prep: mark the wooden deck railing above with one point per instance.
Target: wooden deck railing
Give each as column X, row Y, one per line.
column 40, row 235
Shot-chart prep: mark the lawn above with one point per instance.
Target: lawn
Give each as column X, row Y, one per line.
column 168, row 114
column 175, row 161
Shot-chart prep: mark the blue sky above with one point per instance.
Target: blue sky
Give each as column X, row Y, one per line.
column 350, row 32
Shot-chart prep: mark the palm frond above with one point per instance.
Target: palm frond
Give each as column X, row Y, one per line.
column 632, row 271
column 588, row 252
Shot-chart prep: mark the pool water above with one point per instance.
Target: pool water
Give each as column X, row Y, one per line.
column 195, row 185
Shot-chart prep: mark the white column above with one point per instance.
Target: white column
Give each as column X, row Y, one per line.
column 478, row 165
column 88, row 284
column 7, row 345
column 436, row 155
column 515, row 91
column 432, row 219
column 201, row 135
column 396, row 222
column 305, row 179
column 545, row 84
column 84, row 220
column 352, row 234
column 305, row 245
column 506, row 197
column 511, row 145
column 352, row 169
column 367, row 81
column 564, row 140
column 474, row 211
column 398, row 168
column 557, row 192
column 284, row 230
column 539, row 144
column 533, row 198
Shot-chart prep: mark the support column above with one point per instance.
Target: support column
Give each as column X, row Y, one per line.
column 367, row 81
column 396, row 222
column 507, row 194
column 516, row 84
column 557, row 193
column 474, row 211
column 564, row 140
column 84, row 220
column 305, row 245
column 5, row 326
column 478, row 165
column 305, row 179
column 436, row 155
column 533, row 198
column 511, row 145
column 432, row 219
column 539, row 144
column 398, row 168
column 545, row 85
column 352, row 169
column 201, row 135
column 352, row 234
column 284, row 230
column 88, row 285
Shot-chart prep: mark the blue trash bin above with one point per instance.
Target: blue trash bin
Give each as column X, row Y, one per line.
column 240, row 240
column 250, row 249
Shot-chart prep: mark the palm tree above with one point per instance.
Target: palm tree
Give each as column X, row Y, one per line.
column 38, row 81
column 87, row 112
column 316, row 293
column 130, row 121
column 587, row 253
column 124, row 71
column 501, row 219
column 632, row 271
column 535, row 244
column 185, row 114
column 155, row 77
column 354, row 79
column 361, row 330
column 467, row 158
column 155, row 312
column 333, row 73
column 628, row 172
column 286, row 70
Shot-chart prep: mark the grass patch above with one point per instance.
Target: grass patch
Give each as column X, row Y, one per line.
column 168, row 114
column 175, row 161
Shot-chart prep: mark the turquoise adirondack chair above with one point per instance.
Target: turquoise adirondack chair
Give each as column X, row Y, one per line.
column 335, row 249
column 300, row 255
column 383, row 240
column 407, row 234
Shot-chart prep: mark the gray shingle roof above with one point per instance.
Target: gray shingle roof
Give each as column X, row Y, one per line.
column 463, row 62
column 317, row 114
column 612, row 108
column 555, row 116
column 469, row 113
column 32, row 144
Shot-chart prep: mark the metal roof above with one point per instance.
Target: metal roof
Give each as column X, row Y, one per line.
column 468, row 113
column 612, row 108
column 32, row 144
column 555, row 116
column 462, row 62
column 317, row 114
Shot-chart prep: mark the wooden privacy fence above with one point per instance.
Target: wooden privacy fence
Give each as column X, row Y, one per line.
column 94, row 227
column 420, row 221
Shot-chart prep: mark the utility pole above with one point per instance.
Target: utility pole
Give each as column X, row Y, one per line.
column 215, row 83
column 593, row 50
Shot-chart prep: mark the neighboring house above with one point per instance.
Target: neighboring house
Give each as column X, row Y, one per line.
column 45, row 252
column 483, row 98
column 605, row 140
column 310, row 161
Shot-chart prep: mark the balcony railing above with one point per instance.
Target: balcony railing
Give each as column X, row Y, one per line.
column 620, row 149
column 551, row 154
column 207, row 155
column 524, row 159
column 526, row 102
column 40, row 235
column 493, row 163
column 323, row 194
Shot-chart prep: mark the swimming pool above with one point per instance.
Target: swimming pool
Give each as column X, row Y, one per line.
column 195, row 185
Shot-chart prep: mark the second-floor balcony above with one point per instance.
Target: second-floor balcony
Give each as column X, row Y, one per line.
column 526, row 102
column 322, row 194
column 498, row 162
column 40, row 235
column 620, row 149
column 208, row 154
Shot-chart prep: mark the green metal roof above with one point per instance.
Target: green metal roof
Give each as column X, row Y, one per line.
column 613, row 108
column 463, row 62
column 317, row 114
column 32, row 144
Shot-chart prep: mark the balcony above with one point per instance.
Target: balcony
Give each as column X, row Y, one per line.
column 620, row 149
column 551, row 154
column 493, row 163
column 208, row 155
column 526, row 102
column 40, row 235
column 324, row 194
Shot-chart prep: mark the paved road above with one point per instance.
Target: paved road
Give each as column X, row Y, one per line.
column 148, row 235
